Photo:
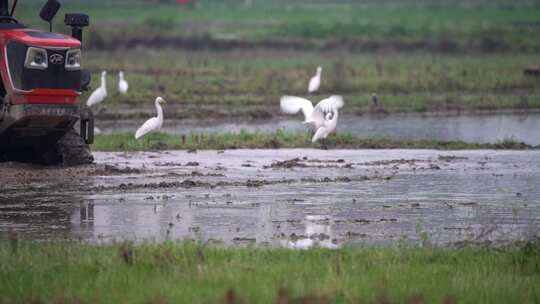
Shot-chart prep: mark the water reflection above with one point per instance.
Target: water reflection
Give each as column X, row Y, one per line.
column 318, row 233
column 46, row 217
column 87, row 215
column 461, row 200
column 104, row 220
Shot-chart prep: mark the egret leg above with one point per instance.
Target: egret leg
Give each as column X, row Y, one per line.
column 146, row 141
column 102, row 109
column 324, row 145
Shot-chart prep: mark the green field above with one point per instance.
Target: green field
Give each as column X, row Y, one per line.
column 250, row 83
column 453, row 25
column 224, row 59
column 194, row 273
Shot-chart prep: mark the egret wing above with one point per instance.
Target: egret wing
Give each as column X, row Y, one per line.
column 150, row 125
column 331, row 104
column 293, row 105
column 96, row 97
column 123, row 87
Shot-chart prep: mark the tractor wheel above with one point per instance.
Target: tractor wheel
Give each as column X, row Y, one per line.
column 73, row 151
column 70, row 150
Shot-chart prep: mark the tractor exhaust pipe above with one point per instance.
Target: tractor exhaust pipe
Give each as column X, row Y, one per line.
column 77, row 22
column 4, row 10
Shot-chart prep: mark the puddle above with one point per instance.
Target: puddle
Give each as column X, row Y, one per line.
column 488, row 128
column 327, row 198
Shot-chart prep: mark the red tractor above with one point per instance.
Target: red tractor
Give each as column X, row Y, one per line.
column 41, row 78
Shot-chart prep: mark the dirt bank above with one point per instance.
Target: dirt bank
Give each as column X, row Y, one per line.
column 20, row 173
column 445, row 45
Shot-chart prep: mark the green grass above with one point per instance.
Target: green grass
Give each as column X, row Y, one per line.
column 243, row 140
column 419, row 56
column 191, row 273
column 483, row 25
column 249, row 82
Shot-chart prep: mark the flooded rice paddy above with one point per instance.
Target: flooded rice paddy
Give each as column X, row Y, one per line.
column 488, row 128
column 294, row 198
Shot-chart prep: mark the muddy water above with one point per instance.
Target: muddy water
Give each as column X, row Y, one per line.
column 324, row 198
column 487, row 128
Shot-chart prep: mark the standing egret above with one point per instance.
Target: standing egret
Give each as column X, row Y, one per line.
column 315, row 81
column 123, row 85
column 100, row 93
column 154, row 123
column 315, row 116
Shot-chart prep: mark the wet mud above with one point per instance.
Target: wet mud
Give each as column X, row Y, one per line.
column 296, row 198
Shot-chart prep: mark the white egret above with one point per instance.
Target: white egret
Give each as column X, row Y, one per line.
column 323, row 117
column 329, row 126
column 123, row 85
column 315, row 81
column 154, row 123
column 100, row 93
column 315, row 116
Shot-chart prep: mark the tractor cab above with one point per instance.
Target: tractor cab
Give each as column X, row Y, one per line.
column 41, row 77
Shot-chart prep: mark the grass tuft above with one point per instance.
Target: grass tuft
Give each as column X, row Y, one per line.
column 280, row 139
column 187, row 272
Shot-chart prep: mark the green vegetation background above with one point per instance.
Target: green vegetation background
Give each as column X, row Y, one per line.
column 194, row 273
column 223, row 59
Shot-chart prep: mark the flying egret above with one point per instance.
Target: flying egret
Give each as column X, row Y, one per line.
column 154, row 123
column 100, row 93
column 329, row 126
column 315, row 116
column 315, row 81
column 123, row 85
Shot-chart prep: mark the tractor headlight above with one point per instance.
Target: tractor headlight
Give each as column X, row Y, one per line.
column 36, row 58
column 73, row 60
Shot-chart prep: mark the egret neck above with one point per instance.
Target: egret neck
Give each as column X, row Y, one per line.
column 159, row 110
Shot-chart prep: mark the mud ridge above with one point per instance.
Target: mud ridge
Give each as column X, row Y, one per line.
column 201, row 43
column 188, row 183
column 24, row 172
